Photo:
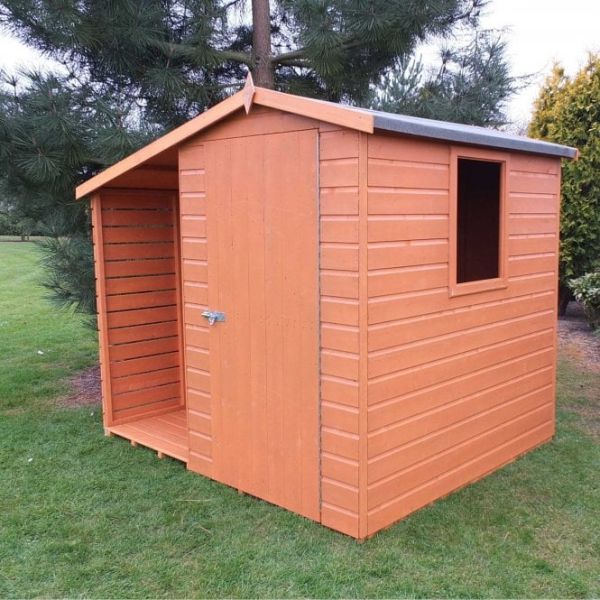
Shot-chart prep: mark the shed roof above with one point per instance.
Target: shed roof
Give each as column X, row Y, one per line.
column 360, row 119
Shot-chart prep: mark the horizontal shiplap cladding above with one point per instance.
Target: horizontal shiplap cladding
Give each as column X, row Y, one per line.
column 194, row 273
column 141, row 301
column 339, row 361
column 452, row 379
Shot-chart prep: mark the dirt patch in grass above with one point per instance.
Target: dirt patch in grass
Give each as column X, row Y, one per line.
column 580, row 381
column 576, row 340
column 85, row 387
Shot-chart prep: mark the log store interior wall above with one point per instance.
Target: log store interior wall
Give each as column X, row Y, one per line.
column 136, row 255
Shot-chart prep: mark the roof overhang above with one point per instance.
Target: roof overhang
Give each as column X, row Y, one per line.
column 468, row 134
column 336, row 114
column 345, row 116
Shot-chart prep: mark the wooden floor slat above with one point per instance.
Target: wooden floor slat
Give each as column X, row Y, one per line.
column 166, row 433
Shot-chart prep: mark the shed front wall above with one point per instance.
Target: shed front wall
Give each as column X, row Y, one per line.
column 337, row 265
column 457, row 386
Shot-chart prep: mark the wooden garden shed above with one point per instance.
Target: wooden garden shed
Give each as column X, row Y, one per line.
column 343, row 312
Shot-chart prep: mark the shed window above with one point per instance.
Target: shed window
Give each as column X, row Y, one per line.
column 478, row 211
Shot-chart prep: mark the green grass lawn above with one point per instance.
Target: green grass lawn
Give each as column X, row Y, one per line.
column 85, row 515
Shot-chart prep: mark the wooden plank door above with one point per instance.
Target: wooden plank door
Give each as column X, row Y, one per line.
column 263, row 274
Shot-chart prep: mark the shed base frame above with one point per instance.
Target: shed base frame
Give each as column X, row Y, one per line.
column 166, row 433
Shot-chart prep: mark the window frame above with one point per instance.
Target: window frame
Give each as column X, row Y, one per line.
column 481, row 285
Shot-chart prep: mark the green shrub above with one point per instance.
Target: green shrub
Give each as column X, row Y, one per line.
column 586, row 290
column 8, row 225
column 567, row 111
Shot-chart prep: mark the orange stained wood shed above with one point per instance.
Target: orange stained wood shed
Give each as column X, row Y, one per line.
column 346, row 313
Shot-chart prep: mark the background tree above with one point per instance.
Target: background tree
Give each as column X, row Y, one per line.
column 567, row 111
column 133, row 69
column 471, row 85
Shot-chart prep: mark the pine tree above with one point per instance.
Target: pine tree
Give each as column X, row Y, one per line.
column 133, row 69
column 471, row 85
column 567, row 111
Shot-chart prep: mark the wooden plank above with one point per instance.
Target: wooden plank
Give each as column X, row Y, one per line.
column 432, row 396
column 341, row 391
column 410, row 304
column 339, row 256
column 338, row 173
column 520, row 224
column 407, row 253
column 407, row 174
column 193, row 226
column 458, row 447
column 402, row 227
column 340, row 443
column 136, row 218
column 139, row 333
column 192, row 203
column 341, row 285
column 141, row 316
column 389, row 146
column 404, row 356
column 195, row 271
column 148, row 396
column 338, row 144
column 194, row 248
column 394, row 201
column 339, row 311
column 339, row 229
column 363, row 374
column 408, row 330
column 135, row 413
column 147, row 283
column 137, row 251
column 338, row 494
column 531, row 244
column 121, row 235
column 144, row 381
column 339, row 200
column 340, row 364
column 192, row 181
column 145, row 364
column 143, row 300
column 149, row 177
column 130, row 268
column 539, row 183
column 423, row 425
column 103, row 337
column 409, row 380
column 396, row 281
column 144, row 199
column 340, row 417
column 470, row 471
column 340, row 337
column 155, row 345
column 339, row 469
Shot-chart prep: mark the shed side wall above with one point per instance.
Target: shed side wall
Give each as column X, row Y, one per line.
column 457, row 386
column 140, row 283
column 340, row 344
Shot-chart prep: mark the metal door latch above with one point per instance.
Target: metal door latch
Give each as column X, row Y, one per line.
column 213, row 316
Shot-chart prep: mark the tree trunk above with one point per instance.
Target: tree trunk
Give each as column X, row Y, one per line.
column 564, row 297
column 261, row 44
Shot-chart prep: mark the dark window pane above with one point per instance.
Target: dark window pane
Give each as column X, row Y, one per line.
column 478, row 239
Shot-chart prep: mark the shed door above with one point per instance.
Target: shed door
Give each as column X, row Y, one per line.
column 263, row 274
